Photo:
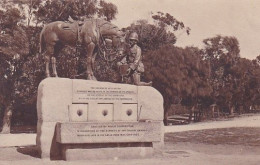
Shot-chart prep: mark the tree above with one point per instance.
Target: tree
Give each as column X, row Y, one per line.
column 256, row 61
column 9, row 19
column 107, row 10
column 178, row 74
column 26, row 7
column 247, row 76
column 60, row 10
column 165, row 20
column 222, row 53
column 152, row 37
column 161, row 32
column 22, row 68
column 33, row 6
column 14, row 46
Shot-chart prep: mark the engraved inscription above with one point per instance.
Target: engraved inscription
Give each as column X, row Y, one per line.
column 111, row 130
column 104, row 94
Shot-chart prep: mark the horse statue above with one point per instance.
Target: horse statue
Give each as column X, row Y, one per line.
column 90, row 34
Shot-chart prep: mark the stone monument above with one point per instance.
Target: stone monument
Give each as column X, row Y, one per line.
column 85, row 119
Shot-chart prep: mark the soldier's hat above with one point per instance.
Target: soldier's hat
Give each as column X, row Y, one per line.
column 133, row 36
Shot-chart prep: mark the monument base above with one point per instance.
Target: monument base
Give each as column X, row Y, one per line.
column 82, row 119
column 107, row 140
column 106, row 151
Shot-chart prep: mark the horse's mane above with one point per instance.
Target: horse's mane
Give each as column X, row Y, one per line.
column 105, row 22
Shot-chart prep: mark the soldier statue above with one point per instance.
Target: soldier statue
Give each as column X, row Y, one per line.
column 132, row 62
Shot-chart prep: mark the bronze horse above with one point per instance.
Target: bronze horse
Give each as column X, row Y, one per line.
column 90, row 33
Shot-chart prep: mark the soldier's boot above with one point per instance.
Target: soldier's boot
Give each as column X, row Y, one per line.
column 145, row 83
column 138, row 82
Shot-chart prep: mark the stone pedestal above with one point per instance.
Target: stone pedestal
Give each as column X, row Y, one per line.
column 83, row 119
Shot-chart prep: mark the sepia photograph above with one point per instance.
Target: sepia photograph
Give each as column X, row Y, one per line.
column 129, row 82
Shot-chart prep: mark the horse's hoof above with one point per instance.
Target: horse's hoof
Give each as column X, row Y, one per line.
column 93, row 78
column 89, row 77
column 150, row 83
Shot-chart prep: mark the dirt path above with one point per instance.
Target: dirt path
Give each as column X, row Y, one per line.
column 177, row 154
column 232, row 142
column 242, row 121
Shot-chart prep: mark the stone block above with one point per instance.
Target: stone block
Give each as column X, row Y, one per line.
column 103, row 112
column 53, row 100
column 78, row 112
column 107, row 151
column 112, row 132
column 92, row 103
column 47, row 145
column 129, row 112
column 150, row 104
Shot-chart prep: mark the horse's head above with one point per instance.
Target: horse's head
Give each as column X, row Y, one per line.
column 113, row 48
column 115, row 45
column 119, row 44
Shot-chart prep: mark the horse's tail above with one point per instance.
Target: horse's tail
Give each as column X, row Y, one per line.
column 42, row 42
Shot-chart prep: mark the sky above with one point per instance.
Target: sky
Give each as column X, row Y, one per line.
column 206, row 18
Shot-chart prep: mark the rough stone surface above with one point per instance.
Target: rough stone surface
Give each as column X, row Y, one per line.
column 120, row 152
column 84, row 101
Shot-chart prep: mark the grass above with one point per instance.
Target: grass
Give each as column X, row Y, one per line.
column 232, row 136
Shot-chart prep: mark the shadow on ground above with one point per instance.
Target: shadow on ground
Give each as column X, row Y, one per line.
column 29, row 150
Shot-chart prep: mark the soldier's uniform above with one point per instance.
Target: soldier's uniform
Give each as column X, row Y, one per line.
column 134, row 60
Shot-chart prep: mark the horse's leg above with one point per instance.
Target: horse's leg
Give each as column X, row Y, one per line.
column 93, row 64
column 57, row 48
column 47, row 65
column 93, row 59
column 48, row 54
column 53, row 62
column 47, row 62
column 90, row 49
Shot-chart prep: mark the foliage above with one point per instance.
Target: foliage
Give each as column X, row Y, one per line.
column 107, row 10
column 179, row 74
column 21, row 66
column 246, row 77
column 9, row 19
column 153, row 36
column 14, row 49
column 233, row 79
column 60, row 10
column 183, row 75
column 168, row 21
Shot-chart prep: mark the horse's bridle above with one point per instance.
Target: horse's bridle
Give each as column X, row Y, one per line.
column 102, row 48
column 105, row 52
